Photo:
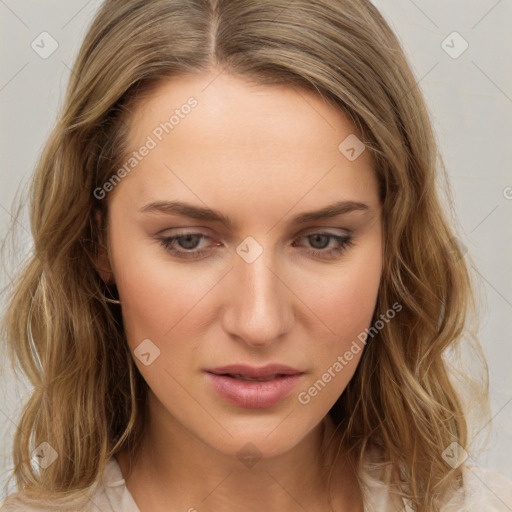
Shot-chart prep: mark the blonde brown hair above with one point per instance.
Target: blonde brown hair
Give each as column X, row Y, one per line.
column 88, row 400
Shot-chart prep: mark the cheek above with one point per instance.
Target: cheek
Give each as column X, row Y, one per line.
column 343, row 303
column 347, row 311
column 158, row 298
column 344, row 300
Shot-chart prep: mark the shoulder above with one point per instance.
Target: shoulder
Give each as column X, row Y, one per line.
column 485, row 489
column 482, row 490
column 110, row 493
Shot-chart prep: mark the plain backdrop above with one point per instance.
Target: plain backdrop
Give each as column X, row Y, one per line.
column 467, row 81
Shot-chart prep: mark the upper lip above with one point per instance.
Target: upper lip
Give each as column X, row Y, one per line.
column 253, row 371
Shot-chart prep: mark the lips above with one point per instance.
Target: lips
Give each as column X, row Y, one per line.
column 252, row 387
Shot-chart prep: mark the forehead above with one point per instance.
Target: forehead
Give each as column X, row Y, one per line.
column 240, row 140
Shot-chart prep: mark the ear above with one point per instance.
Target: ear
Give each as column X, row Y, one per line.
column 102, row 261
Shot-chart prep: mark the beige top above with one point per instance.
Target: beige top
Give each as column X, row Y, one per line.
column 484, row 491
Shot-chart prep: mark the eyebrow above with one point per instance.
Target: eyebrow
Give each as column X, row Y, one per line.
column 207, row 214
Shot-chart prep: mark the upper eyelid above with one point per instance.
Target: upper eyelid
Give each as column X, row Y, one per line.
column 305, row 232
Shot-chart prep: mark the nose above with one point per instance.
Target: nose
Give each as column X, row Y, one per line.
column 260, row 307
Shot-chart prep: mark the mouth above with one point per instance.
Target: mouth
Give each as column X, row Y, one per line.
column 254, row 379
column 252, row 387
column 262, row 374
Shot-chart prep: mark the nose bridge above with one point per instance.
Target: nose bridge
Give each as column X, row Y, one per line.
column 259, row 307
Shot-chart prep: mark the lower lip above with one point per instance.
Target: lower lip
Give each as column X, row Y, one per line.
column 254, row 394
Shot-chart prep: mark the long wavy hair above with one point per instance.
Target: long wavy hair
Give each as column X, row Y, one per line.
column 64, row 328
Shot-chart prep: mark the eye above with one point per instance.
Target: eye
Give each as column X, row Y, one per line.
column 321, row 240
column 185, row 246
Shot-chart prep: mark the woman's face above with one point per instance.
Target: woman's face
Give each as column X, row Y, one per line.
column 220, row 261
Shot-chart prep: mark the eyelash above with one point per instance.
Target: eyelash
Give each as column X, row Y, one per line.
column 344, row 242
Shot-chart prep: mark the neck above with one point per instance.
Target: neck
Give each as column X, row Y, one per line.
column 174, row 470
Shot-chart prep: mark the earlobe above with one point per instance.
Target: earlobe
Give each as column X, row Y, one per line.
column 102, row 261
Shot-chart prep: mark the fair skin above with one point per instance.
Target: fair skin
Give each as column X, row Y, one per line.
column 260, row 155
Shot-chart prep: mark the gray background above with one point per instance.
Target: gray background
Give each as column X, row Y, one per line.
column 470, row 100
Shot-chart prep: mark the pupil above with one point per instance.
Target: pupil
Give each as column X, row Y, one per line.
column 315, row 239
column 187, row 244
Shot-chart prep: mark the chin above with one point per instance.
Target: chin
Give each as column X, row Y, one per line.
column 261, row 438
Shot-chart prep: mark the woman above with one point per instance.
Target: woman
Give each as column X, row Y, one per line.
column 243, row 285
